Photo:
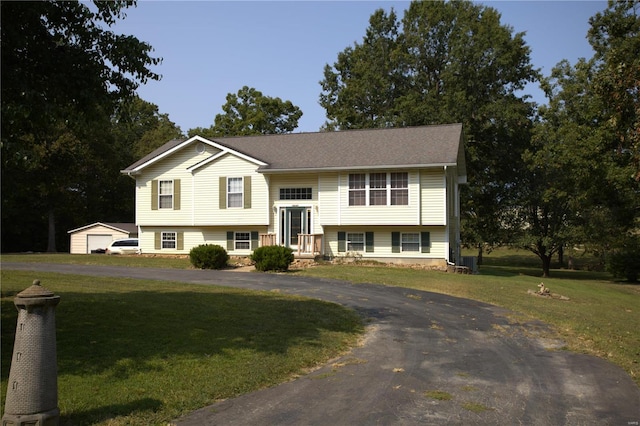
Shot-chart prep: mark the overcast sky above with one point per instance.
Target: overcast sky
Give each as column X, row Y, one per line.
column 212, row 48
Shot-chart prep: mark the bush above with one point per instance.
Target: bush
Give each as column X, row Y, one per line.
column 272, row 258
column 209, row 256
column 624, row 263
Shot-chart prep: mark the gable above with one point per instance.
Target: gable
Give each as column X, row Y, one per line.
column 204, row 151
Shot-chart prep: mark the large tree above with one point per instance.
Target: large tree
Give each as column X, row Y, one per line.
column 249, row 112
column 447, row 62
column 63, row 71
column 615, row 37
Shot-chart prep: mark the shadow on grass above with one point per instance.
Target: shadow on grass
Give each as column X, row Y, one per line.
column 111, row 411
column 96, row 332
column 119, row 335
column 512, row 271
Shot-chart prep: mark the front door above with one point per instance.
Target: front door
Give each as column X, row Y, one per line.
column 296, row 220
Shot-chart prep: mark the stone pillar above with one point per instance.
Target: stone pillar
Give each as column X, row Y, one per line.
column 32, row 391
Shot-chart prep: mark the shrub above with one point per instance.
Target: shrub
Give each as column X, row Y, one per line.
column 272, row 258
column 623, row 263
column 209, row 256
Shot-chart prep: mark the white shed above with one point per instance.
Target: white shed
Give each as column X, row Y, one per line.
column 98, row 235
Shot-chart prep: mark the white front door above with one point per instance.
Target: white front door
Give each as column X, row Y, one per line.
column 296, row 220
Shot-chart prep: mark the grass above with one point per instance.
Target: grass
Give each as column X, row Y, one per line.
column 601, row 318
column 139, row 261
column 140, row 352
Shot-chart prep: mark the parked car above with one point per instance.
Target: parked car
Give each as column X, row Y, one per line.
column 124, row 246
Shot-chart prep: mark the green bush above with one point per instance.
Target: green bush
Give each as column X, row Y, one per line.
column 625, row 261
column 272, row 258
column 209, row 256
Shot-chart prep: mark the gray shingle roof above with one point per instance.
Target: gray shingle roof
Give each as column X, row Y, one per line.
column 352, row 149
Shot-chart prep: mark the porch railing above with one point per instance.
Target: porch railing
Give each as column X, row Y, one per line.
column 268, row 240
column 308, row 244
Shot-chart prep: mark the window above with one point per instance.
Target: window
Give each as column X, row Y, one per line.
column 168, row 240
column 358, row 189
column 399, row 189
column 234, row 192
column 410, row 241
column 242, row 240
column 166, row 194
column 355, row 241
column 296, row 194
column 379, row 189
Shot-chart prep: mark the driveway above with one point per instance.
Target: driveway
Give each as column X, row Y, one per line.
column 427, row 359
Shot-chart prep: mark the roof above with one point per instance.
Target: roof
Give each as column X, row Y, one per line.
column 129, row 228
column 352, row 149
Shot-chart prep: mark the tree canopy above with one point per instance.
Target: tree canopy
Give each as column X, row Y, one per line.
column 444, row 62
column 249, row 112
column 63, row 73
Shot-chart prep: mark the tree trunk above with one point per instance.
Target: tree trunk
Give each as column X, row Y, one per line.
column 546, row 265
column 561, row 255
column 479, row 260
column 51, row 241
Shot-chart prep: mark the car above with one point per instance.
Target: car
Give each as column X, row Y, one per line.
column 124, row 246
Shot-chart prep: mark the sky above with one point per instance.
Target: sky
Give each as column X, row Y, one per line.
column 213, row 48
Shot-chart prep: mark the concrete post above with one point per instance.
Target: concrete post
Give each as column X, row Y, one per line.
column 32, row 391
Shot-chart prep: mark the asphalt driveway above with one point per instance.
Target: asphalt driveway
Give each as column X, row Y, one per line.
column 427, row 359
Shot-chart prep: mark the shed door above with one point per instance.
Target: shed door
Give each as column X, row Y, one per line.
column 98, row 242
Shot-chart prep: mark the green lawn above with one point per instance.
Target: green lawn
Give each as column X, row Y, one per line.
column 134, row 352
column 202, row 339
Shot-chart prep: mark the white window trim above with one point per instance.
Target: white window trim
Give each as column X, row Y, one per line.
column 175, row 240
column 241, row 192
column 368, row 189
column 160, row 194
column 236, row 240
column 402, row 242
column 348, row 241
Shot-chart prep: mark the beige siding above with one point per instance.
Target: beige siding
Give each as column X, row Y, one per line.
column 433, row 198
column 199, row 192
column 171, row 168
column 382, row 241
column 328, row 199
column 292, row 181
column 79, row 239
column 206, row 186
column 194, row 236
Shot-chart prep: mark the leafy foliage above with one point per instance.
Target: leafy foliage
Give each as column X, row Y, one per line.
column 63, row 73
column 444, row 62
column 624, row 262
column 272, row 258
column 208, row 256
column 249, row 112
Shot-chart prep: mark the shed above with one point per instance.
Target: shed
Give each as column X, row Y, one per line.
column 98, row 235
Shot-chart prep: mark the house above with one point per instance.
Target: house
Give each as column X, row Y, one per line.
column 99, row 235
column 384, row 194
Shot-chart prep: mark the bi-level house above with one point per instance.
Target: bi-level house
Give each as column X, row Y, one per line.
column 384, row 194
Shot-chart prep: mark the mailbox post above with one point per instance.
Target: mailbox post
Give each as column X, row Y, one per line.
column 32, row 391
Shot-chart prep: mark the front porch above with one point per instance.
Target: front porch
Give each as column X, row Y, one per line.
column 309, row 245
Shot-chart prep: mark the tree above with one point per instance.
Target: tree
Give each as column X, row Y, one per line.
column 615, row 37
column 249, row 112
column 63, row 71
column 362, row 87
column 448, row 62
column 140, row 128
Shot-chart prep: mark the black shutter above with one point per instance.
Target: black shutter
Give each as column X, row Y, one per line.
column 395, row 242
column 369, row 242
column 342, row 242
